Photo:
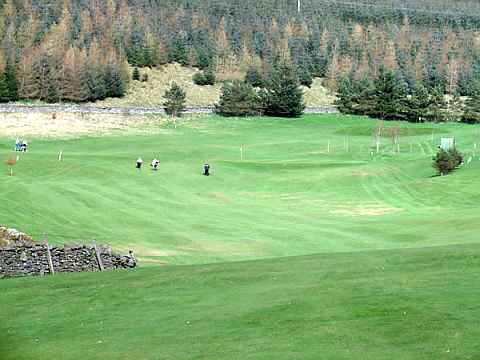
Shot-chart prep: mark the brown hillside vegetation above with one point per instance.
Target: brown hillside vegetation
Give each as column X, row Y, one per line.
column 150, row 94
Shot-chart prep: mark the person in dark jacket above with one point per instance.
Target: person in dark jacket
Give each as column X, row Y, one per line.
column 206, row 170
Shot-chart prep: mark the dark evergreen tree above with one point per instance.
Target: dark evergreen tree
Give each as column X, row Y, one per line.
column 175, row 98
column 238, row 99
column 254, row 77
column 96, row 81
column 389, row 98
column 203, row 59
column 418, row 104
column 471, row 114
column 114, row 83
column 4, row 92
column 304, row 76
column 52, row 95
column 177, row 51
column 12, row 83
column 455, row 108
column 436, row 111
column 136, row 74
column 355, row 97
column 282, row 95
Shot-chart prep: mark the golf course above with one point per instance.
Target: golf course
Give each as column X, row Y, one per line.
column 306, row 242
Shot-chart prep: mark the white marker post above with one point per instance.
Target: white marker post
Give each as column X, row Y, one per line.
column 60, row 155
column 328, row 147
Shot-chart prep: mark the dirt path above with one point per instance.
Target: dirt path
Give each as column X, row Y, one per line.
column 83, row 109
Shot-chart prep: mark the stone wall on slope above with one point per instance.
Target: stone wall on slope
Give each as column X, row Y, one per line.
column 30, row 259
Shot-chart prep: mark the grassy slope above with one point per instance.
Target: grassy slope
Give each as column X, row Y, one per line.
column 398, row 304
column 151, row 93
column 288, row 198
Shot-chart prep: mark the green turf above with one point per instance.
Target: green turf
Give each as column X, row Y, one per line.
column 390, row 252
column 396, row 304
column 288, row 197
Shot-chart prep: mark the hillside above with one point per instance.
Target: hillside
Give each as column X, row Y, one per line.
column 150, row 94
column 82, row 49
column 409, row 304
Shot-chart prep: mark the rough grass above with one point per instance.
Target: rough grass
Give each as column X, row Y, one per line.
column 151, row 93
column 399, row 304
column 73, row 125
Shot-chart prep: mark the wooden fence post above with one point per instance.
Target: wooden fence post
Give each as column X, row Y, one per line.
column 98, row 256
column 133, row 257
column 49, row 256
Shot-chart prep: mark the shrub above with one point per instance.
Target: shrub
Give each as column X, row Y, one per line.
column 238, row 99
column 447, row 161
column 144, row 78
column 205, row 78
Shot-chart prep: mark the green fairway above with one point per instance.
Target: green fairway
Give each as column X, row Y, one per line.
column 355, row 255
column 289, row 196
column 397, row 304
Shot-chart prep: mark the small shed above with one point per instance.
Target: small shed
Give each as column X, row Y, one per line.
column 447, row 143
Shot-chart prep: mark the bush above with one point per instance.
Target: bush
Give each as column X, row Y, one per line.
column 447, row 161
column 144, row 78
column 205, row 78
column 238, row 99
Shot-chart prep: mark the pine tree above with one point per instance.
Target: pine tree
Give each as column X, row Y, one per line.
column 136, row 74
column 96, row 84
column 177, row 52
column 346, row 96
column 175, row 98
column 436, row 110
column 4, row 92
column 455, row 108
column 389, row 98
column 238, row 99
column 282, row 95
column 114, row 83
column 355, row 97
column 254, row 77
column 418, row 104
column 472, row 107
column 12, row 83
column 304, row 76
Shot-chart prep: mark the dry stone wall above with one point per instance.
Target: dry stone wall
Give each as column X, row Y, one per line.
column 42, row 259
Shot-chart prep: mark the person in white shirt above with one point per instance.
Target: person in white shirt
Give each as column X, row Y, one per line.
column 155, row 163
column 139, row 163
